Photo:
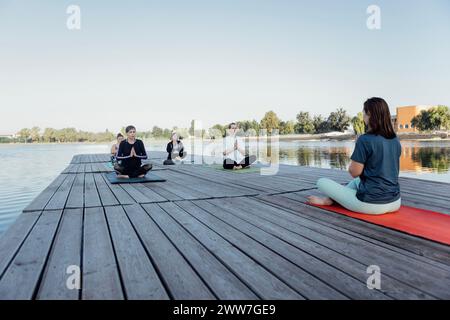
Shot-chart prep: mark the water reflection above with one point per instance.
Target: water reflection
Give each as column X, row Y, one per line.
column 418, row 157
column 426, row 158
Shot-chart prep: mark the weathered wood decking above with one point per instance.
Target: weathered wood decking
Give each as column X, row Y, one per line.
column 208, row 234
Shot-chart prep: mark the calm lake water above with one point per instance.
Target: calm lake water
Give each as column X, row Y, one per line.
column 29, row 169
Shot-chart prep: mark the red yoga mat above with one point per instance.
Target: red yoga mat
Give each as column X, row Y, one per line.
column 418, row 222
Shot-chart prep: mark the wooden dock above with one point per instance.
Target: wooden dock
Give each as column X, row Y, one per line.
column 210, row 234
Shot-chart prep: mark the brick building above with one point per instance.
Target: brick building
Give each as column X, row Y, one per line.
column 402, row 120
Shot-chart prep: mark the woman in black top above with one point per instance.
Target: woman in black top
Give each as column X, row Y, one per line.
column 174, row 149
column 131, row 153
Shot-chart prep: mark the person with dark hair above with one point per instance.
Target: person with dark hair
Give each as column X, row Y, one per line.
column 115, row 147
column 374, row 167
column 131, row 153
column 235, row 156
column 175, row 149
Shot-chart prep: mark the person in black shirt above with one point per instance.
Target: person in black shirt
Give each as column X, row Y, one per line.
column 130, row 154
column 175, row 149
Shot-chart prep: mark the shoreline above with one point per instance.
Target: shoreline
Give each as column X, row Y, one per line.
column 289, row 137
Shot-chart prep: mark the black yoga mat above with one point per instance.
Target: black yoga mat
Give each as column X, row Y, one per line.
column 150, row 177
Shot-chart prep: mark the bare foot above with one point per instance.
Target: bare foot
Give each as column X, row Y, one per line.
column 141, row 176
column 122, row 176
column 237, row 168
column 320, row 201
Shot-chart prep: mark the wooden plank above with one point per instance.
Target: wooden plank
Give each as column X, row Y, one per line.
column 349, row 226
column 151, row 195
column 411, row 246
column 121, row 195
column 81, row 168
column 66, row 252
column 15, row 235
column 228, row 179
column 140, row 279
column 22, row 276
column 256, row 277
column 403, row 268
column 75, row 159
column 180, row 190
column 222, row 281
column 76, row 195
column 396, row 240
column 426, row 202
column 309, row 286
column 39, row 203
column 58, row 201
column 179, row 277
column 67, row 169
column 100, row 272
column 135, row 193
column 107, row 198
column 91, row 197
column 162, row 192
column 341, row 272
column 211, row 188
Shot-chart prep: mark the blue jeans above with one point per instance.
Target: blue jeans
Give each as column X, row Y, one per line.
column 346, row 197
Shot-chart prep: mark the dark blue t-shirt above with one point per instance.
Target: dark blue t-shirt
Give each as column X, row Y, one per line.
column 379, row 180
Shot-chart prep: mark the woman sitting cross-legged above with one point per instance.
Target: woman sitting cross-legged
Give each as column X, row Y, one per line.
column 175, row 149
column 130, row 154
column 234, row 154
column 115, row 148
column 374, row 167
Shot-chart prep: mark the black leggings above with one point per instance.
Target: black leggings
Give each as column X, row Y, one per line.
column 230, row 164
column 133, row 172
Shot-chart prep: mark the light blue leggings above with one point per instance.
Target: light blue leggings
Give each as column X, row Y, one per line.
column 346, row 197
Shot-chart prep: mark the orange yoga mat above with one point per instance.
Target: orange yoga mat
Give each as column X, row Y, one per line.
column 418, row 222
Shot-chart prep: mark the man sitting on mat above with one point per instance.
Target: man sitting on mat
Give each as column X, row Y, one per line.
column 375, row 167
column 235, row 157
column 175, row 149
column 131, row 153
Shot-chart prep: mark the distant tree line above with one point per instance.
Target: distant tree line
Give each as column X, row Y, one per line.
column 62, row 135
column 49, row 135
column 338, row 120
column 436, row 118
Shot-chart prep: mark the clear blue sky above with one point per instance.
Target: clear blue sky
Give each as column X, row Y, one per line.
column 166, row 62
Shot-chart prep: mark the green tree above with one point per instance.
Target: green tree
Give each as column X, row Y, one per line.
column 247, row 125
column 304, row 123
column 338, row 120
column 440, row 117
column 244, row 125
column 24, row 134
column 255, row 125
column 49, row 135
column 436, row 118
column 35, row 134
column 217, row 131
column 167, row 133
column 320, row 124
column 358, row 123
column 287, row 127
column 157, row 131
column 421, row 122
column 270, row 121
